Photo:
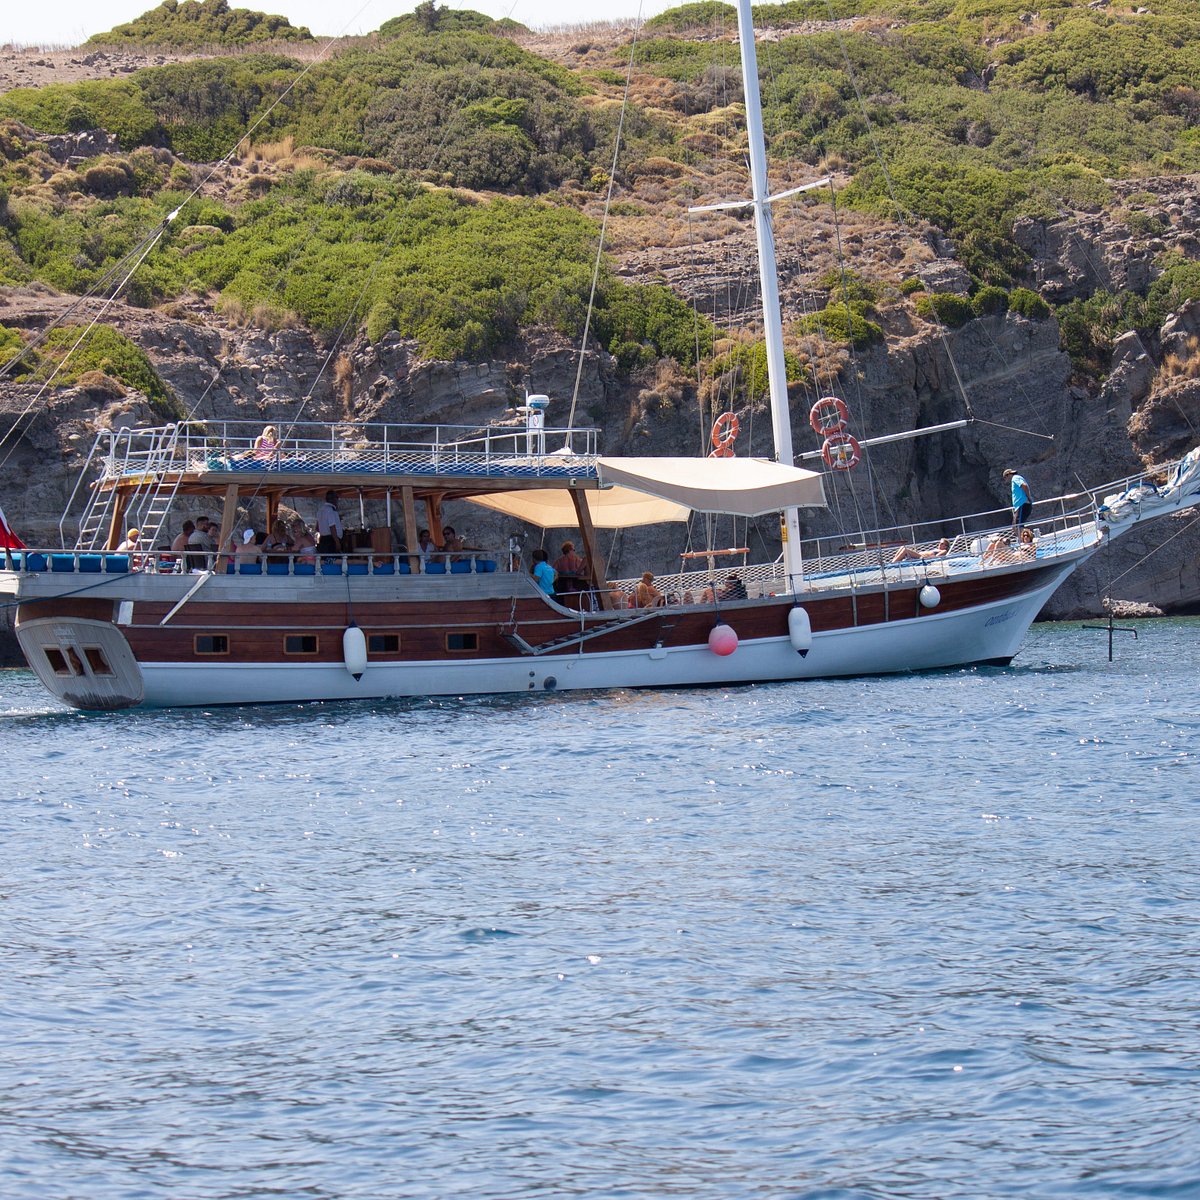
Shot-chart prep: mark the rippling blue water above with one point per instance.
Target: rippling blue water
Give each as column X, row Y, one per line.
column 912, row 937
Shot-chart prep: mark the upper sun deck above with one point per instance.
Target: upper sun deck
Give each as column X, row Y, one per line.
column 203, row 455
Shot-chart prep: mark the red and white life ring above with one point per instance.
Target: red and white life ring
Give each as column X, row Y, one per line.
column 829, row 416
column 724, row 434
column 841, row 452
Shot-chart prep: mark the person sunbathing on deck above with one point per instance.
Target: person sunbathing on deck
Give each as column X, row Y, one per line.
column 912, row 554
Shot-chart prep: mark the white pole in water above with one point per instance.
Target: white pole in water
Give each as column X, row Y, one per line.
column 781, row 418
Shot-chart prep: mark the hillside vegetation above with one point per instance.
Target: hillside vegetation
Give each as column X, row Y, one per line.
column 434, row 178
column 201, row 25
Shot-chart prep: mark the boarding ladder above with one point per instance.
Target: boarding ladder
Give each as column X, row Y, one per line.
column 147, row 506
column 513, row 638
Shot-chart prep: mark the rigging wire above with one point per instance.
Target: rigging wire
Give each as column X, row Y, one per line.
column 151, row 239
column 612, row 181
column 1150, row 553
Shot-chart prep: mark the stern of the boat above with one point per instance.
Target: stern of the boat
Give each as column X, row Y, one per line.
column 83, row 662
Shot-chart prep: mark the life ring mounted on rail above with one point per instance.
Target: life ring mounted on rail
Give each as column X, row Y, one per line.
column 841, row 452
column 829, row 416
column 724, row 434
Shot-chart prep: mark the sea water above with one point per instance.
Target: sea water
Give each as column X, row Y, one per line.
column 928, row 936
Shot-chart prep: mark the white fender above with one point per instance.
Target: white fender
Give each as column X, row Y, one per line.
column 800, row 630
column 354, row 651
column 930, row 597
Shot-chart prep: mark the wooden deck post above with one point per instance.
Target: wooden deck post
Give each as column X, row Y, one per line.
column 591, row 547
column 409, row 503
column 116, row 533
column 228, row 515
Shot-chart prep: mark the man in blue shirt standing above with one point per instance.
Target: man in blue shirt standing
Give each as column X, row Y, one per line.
column 1022, row 498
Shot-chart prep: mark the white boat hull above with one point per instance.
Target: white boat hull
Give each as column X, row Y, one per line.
column 989, row 633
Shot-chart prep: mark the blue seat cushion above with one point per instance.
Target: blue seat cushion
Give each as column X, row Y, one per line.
column 385, row 568
column 277, row 568
column 249, row 568
column 115, row 563
column 405, row 569
column 330, row 566
column 356, row 568
column 62, row 562
column 460, row 568
column 435, row 568
column 306, row 568
column 485, row 565
column 90, row 563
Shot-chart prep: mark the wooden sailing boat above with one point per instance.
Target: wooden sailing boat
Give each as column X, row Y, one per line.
column 107, row 629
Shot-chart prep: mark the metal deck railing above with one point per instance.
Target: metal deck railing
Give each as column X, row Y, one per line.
column 500, row 452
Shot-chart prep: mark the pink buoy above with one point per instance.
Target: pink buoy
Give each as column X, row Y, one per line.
column 722, row 640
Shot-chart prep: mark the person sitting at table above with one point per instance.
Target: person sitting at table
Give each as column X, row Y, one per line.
column 646, row 594
column 248, row 550
column 571, row 570
column 452, row 545
column 277, row 544
column 304, row 545
column 543, row 572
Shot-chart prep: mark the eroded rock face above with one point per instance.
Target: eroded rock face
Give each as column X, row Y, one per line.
column 1115, row 250
column 1016, row 392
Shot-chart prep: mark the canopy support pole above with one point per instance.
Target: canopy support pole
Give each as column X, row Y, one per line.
column 591, row 547
column 116, row 524
column 409, row 504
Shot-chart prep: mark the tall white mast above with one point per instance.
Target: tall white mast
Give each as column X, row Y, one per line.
column 781, row 420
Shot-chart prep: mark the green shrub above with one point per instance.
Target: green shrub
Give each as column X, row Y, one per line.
column 1028, row 304
column 989, row 301
column 117, row 105
column 945, row 308
column 199, row 24
column 910, row 285
column 428, row 18
column 106, row 350
column 848, row 286
column 703, row 14
column 843, row 323
column 743, row 375
column 639, row 323
column 11, row 344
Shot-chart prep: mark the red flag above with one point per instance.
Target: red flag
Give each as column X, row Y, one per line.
column 8, row 539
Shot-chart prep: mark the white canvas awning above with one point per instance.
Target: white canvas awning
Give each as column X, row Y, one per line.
column 612, row 508
column 744, row 487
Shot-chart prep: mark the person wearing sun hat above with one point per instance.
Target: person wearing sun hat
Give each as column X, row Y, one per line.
column 130, row 544
column 248, row 551
column 1022, row 498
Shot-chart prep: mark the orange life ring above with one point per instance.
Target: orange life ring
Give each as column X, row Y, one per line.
column 724, row 434
column 841, row 452
column 725, row 451
column 829, row 416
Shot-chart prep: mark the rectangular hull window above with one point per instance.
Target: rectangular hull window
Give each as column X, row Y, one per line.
column 97, row 661
column 383, row 643
column 462, row 643
column 57, row 661
column 211, row 643
column 300, row 643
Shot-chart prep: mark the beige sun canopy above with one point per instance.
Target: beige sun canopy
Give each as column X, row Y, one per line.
column 744, row 487
column 612, row 508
